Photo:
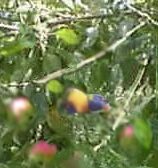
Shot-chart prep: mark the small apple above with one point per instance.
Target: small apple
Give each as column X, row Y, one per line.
column 127, row 137
column 42, row 151
column 20, row 109
column 127, row 131
column 135, row 139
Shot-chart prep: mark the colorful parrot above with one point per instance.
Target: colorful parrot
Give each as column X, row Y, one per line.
column 79, row 102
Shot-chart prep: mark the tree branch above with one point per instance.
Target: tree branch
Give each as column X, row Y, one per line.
column 90, row 60
column 82, row 64
column 142, row 14
column 9, row 27
column 57, row 22
column 53, row 22
column 75, row 19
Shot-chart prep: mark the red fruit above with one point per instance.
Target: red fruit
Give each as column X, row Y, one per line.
column 42, row 151
column 127, row 132
column 127, row 138
column 20, row 107
column 135, row 140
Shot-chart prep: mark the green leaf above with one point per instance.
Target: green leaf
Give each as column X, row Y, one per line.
column 99, row 78
column 55, row 86
column 51, row 63
column 14, row 47
column 143, row 133
column 68, row 36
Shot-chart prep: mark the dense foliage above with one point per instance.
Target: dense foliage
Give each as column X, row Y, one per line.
column 106, row 47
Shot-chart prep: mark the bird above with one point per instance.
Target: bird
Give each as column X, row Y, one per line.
column 79, row 102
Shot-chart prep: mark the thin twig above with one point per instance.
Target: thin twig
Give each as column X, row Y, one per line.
column 15, row 85
column 76, row 19
column 9, row 27
column 133, row 89
column 57, row 22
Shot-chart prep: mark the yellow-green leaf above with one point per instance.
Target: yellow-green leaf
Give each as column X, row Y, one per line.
column 68, row 36
column 54, row 86
column 14, row 47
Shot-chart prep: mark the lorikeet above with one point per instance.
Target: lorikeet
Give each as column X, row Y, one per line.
column 79, row 102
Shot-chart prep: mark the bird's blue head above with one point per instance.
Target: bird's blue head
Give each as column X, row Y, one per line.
column 98, row 102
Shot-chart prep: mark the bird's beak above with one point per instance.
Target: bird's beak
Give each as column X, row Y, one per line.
column 107, row 107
